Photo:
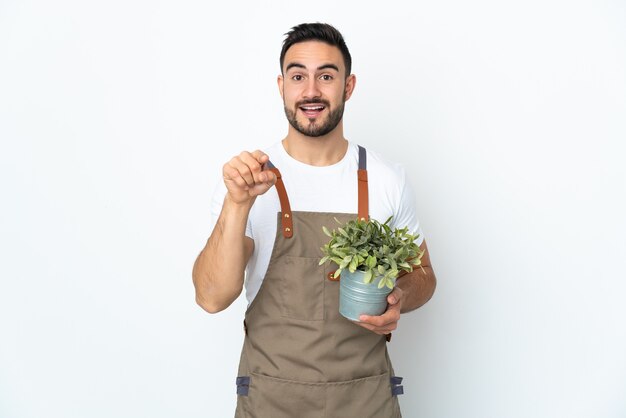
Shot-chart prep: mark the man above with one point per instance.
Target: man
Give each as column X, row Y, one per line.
column 300, row 357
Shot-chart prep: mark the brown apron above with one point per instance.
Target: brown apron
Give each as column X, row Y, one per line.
column 300, row 357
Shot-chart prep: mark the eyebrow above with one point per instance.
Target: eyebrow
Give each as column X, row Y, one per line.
column 325, row 66
column 321, row 67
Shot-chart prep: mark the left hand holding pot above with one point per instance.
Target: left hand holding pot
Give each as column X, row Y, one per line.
column 388, row 321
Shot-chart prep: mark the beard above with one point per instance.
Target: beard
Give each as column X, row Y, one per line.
column 313, row 128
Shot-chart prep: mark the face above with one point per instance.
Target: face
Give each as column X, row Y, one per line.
column 314, row 87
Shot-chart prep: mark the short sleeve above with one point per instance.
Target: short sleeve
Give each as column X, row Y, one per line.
column 405, row 214
column 217, row 202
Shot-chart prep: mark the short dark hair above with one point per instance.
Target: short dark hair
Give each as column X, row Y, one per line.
column 322, row 32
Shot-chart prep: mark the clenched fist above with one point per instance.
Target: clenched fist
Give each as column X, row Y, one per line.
column 246, row 178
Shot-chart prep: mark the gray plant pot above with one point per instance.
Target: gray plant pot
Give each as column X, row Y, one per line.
column 357, row 298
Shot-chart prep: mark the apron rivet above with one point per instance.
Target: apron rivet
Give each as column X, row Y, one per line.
column 286, row 215
column 287, row 229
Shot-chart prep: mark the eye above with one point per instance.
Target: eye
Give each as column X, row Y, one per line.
column 327, row 77
column 297, row 77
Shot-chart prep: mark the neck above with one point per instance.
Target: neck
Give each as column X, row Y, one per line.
column 317, row 151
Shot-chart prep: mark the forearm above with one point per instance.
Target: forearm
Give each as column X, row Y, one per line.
column 417, row 287
column 218, row 272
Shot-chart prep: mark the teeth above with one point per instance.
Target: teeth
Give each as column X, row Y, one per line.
column 312, row 107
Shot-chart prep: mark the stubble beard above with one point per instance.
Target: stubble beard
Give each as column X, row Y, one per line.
column 314, row 129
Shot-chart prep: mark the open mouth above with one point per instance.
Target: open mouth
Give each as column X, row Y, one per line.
column 312, row 111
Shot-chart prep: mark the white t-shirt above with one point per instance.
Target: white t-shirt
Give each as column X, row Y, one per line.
column 322, row 189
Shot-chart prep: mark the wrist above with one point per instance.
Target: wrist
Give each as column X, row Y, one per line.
column 238, row 206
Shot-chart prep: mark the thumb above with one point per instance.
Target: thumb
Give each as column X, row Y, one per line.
column 271, row 178
column 262, row 188
column 394, row 296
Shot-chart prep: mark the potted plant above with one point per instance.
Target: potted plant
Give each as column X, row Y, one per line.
column 370, row 256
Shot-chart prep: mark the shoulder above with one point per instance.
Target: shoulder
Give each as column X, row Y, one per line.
column 393, row 191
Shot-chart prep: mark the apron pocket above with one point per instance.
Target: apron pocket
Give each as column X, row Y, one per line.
column 369, row 397
column 301, row 281
column 270, row 397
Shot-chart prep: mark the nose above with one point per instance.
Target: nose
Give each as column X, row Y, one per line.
column 312, row 89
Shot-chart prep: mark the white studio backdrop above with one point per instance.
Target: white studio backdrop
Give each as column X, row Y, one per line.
column 115, row 120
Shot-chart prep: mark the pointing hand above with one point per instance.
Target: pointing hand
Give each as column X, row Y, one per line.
column 247, row 177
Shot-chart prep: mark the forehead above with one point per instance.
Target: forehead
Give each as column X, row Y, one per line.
column 312, row 54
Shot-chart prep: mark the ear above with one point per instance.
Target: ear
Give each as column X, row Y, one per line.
column 280, row 81
column 350, row 83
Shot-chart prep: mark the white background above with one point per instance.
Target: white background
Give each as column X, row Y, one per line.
column 115, row 119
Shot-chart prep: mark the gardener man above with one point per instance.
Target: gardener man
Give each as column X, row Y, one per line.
column 300, row 357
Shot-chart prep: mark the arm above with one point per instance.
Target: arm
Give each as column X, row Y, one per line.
column 218, row 272
column 218, row 284
column 411, row 291
column 417, row 286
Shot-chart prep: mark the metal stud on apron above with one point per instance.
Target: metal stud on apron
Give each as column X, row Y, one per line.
column 301, row 358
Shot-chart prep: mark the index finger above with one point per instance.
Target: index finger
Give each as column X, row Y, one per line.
column 260, row 156
column 391, row 315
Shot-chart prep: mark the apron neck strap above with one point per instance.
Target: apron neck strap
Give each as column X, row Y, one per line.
column 285, row 207
column 362, row 182
column 286, row 220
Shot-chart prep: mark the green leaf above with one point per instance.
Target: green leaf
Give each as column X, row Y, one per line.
column 324, row 259
column 367, row 278
column 326, row 231
column 381, row 283
column 339, row 253
column 353, row 264
column 346, row 260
